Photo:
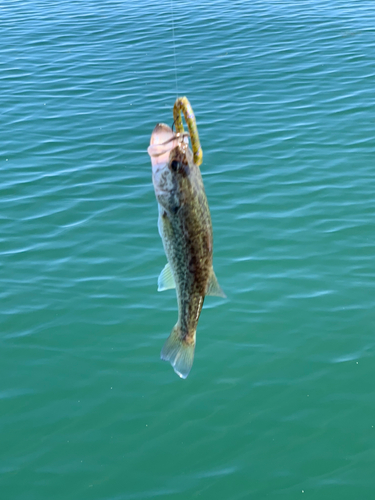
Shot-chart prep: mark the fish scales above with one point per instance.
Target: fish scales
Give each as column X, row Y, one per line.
column 187, row 238
column 186, row 231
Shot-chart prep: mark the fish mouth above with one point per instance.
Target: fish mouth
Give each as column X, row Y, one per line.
column 163, row 140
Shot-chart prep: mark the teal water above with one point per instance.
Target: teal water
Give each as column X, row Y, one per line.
column 280, row 401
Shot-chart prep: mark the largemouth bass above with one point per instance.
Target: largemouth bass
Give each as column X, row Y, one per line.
column 186, row 231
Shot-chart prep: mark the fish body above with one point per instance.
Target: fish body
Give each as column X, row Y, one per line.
column 186, row 231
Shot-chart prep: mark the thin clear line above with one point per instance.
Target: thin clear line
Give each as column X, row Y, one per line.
column 174, row 49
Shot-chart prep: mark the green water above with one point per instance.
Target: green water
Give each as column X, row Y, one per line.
column 280, row 401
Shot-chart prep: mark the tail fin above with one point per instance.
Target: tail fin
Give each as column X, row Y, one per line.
column 178, row 352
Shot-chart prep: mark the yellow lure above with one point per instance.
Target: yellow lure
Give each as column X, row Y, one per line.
column 182, row 104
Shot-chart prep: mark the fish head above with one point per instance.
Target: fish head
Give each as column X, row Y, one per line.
column 168, row 152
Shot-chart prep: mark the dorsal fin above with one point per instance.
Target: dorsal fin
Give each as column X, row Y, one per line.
column 213, row 287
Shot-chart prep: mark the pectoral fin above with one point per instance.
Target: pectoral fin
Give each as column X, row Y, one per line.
column 213, row 287
column 166, row 280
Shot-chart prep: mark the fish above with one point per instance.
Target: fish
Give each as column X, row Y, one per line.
column 185, row 228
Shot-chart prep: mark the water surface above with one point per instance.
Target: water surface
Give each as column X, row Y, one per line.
column 280, row 401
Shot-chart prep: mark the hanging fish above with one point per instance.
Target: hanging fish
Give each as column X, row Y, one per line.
column 185, row 229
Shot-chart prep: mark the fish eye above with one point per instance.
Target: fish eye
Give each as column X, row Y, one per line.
column 175, row 165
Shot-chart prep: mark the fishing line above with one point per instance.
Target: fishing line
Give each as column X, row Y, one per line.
column 174, row 49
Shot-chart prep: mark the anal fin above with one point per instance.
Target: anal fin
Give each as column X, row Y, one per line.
column 166, row 280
